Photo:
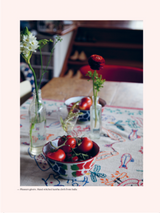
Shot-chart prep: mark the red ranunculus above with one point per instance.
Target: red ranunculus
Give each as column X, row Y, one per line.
column 96, row 62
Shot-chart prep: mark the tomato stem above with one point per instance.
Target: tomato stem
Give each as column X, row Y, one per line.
column 80, row 154
column 59, row 145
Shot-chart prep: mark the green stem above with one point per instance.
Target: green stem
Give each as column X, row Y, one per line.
column 95, row 99
column 47, row 63
column 65, row 123
column 80, row 154
column 43, row 72
column 41, row 68
column 59, row 145
column 32, row 127
column 35, row 81
column 36, row 92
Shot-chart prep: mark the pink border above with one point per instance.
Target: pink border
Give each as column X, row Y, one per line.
column 104, row 106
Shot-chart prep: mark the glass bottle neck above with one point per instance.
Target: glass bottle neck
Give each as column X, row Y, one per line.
column 39, row 94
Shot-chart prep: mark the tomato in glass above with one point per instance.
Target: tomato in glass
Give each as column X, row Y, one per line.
column 58, row 155
column 86, row 145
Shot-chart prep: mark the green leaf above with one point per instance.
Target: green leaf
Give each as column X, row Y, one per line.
column 98, row 81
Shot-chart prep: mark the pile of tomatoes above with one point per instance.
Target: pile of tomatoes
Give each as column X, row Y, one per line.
column 71, row 149
column 84, row 104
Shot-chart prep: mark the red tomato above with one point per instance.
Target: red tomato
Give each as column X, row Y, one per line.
column 85, row 103
column 75, row 158
column 70, row 143
column 86, row 145
column 69, row 155
column 58, row 155
column 63, row 138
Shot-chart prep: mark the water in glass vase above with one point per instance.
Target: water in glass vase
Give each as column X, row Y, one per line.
column 37, row 137
column 37, row 117
column 95, row 120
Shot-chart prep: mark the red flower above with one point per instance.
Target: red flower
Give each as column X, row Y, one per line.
column 96, row 62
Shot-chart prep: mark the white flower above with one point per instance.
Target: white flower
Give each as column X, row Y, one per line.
column 21, row 47
column 26, row 52
column 25, row 38
column 31, row 37
column 31, row 48
column 34, row 45
column 29, row 43
column 25, row 44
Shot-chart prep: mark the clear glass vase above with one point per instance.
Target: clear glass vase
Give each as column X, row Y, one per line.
column 95, row 119
column 37, row 120
column 69, row 123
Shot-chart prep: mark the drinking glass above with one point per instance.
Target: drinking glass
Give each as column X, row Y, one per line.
column 69, row 122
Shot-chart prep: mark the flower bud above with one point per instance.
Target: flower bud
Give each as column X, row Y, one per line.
column 96, row 62
column 25, row 31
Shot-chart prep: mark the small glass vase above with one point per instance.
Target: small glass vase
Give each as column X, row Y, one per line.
column 69, row 123
column 37, row 120
column 95, row 119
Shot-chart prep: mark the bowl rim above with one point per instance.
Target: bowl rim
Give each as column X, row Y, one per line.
column 70, row 161
column 83, row 97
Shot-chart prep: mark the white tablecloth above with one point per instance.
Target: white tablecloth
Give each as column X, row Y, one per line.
column 119, row 163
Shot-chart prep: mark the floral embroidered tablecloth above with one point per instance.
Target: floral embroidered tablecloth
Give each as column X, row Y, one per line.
column 119, row 163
